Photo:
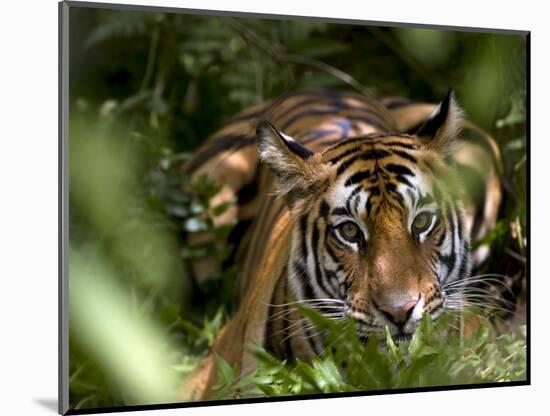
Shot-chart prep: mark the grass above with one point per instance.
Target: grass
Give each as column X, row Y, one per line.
column 436, row 356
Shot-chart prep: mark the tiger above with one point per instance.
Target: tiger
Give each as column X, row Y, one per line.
column 357, row 206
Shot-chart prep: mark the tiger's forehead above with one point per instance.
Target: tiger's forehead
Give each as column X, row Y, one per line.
column 355, row 198
column 394, row 143
column 377, row 171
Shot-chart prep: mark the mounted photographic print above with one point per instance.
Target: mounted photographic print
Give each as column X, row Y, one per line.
column 265, row 208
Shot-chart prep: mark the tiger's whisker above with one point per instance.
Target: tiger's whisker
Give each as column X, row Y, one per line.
column 306, row 301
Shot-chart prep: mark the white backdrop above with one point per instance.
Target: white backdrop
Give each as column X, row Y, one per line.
column 28, row 220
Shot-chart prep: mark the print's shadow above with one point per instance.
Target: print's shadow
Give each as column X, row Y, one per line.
column 50, row 404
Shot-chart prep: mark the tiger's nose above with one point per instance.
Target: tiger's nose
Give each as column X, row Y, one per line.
column 398, row 314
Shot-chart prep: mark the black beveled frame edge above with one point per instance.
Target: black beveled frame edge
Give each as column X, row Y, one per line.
column 63, row 210
column 203, row 12
column 181, row 405
column 63, row 200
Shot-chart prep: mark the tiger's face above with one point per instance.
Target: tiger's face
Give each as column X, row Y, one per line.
column 388, row 236
column 379, row 226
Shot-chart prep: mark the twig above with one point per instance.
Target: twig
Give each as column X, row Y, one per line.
column 427, row 76
column 253, row 38
column 515, row 255
column 258, row 72
column 335, row 72
column 151, row 58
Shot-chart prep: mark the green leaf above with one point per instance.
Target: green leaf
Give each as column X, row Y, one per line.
column 328, row 377
column 392, row 348
column 226, row 373
column 221, row 208
column 194, row 225
column 516, row 144
column 176, row 210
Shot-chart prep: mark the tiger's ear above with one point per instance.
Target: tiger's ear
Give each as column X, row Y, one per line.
column 442, row 126
column 299, row 172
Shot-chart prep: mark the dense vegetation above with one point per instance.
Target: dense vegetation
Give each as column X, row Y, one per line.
column 436, row 356
column 145, row 90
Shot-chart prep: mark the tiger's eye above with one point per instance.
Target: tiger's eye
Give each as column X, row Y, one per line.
column 422, row 222
column 349, row 231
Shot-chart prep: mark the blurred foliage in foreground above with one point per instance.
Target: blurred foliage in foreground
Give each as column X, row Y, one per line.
column 145, row 90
